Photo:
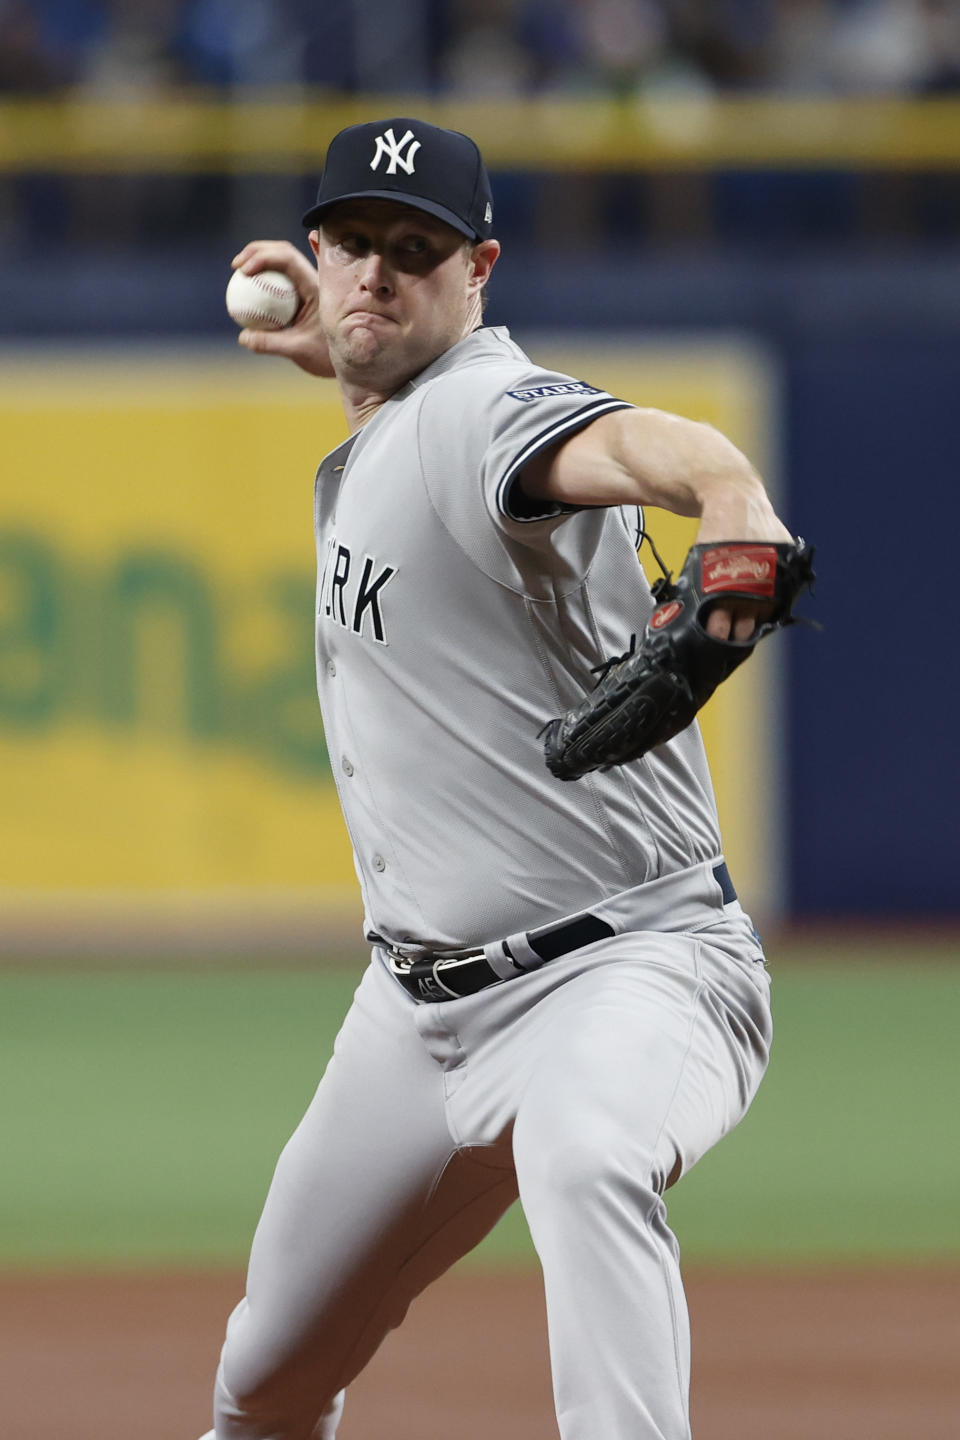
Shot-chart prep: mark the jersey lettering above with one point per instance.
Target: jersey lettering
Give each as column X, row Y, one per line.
column 341, row 571
column 368, row 598
column 349, row 608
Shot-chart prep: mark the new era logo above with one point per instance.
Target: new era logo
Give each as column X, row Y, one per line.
column 388, row 145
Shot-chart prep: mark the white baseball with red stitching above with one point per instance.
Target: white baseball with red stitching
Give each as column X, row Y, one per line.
column 265, row 301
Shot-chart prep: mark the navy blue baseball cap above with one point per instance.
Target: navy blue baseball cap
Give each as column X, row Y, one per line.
column 438, row 171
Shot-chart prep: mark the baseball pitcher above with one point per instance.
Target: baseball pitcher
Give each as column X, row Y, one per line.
column 565, row 999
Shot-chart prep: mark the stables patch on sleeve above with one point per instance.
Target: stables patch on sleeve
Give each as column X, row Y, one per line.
column 561, row 387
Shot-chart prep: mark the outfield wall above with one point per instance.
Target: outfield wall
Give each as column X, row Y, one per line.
column 165, row 776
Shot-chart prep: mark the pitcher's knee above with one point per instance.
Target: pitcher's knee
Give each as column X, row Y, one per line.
column 583, row 1170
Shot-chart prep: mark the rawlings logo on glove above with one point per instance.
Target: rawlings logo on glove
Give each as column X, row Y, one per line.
column 750, row 569
column 647, row 696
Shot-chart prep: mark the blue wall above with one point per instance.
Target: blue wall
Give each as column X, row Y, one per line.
column 873, row 466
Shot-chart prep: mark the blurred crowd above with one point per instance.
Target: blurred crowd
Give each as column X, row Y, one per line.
column 482, row 48
column 488, row 49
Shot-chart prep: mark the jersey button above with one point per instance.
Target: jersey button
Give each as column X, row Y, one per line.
column 347, row 767
column 331, row 667
column 379, row 863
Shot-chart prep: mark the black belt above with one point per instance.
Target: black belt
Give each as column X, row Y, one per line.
column 435, row 977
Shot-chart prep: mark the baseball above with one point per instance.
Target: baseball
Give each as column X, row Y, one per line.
column 265, row 301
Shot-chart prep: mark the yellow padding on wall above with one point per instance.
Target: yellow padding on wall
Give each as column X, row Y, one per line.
column 159, row 730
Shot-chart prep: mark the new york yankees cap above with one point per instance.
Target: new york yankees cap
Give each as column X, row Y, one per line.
column 438, row 171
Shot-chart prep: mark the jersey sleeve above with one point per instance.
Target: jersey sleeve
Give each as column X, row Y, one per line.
column 479, row 426
column 487, row 422
column 536, row 411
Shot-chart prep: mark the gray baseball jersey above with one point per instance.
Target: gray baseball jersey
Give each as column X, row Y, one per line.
column 431, row 711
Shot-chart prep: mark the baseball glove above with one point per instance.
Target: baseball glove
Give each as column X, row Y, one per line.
column 647, row 696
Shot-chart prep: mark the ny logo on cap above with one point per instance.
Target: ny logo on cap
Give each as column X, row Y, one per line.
column 389, row 145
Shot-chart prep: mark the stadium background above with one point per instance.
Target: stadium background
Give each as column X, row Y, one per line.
column 748, row 212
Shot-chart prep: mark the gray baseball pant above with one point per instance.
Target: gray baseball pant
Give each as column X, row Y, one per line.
column 588, row 1087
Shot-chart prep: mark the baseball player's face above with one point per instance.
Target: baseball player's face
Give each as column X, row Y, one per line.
column 396, row 289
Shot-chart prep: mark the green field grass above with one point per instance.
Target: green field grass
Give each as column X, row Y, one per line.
column 143, row 1111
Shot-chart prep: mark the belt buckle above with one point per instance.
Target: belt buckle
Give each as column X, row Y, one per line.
column 400, row 959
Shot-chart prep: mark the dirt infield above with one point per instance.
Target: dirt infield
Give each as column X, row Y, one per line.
column 852, row 1355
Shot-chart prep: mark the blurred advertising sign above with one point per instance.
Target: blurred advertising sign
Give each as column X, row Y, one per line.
column 161, row 749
